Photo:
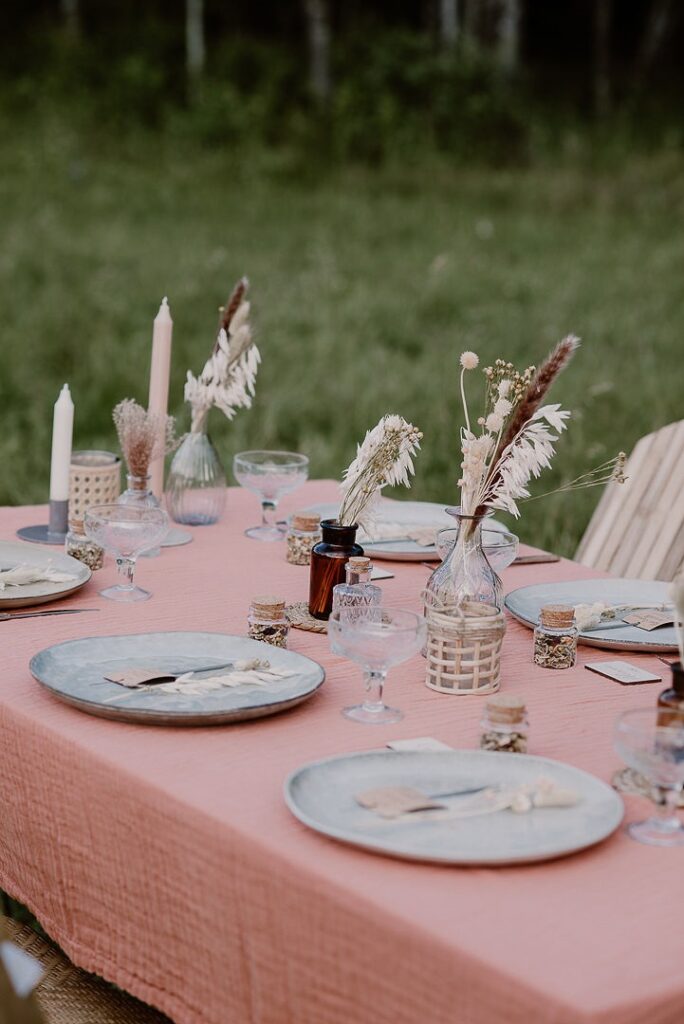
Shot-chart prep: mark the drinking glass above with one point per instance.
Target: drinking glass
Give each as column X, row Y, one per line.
column 652, row 743
column 270, row 475
column 378, row 640
column 125, row 531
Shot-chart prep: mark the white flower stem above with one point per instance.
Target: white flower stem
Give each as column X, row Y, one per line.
column 463, row 399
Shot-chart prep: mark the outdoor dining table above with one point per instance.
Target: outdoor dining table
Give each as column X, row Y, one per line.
column 166, row 860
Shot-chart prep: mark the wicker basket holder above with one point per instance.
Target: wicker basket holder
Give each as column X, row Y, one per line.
column 463, row 647
column 95, row 479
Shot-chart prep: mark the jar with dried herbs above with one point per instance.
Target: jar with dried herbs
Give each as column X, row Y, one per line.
column 504, row 725
column 81, row 547
column 304, row 531
column 555, row 637
column 267, row 621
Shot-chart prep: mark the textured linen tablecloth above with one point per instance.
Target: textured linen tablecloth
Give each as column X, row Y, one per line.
column 165, row 859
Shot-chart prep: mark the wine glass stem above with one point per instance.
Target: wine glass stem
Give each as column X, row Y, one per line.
column 374, row 682
column 268, row 512
column 667, row 810
column 126, row 567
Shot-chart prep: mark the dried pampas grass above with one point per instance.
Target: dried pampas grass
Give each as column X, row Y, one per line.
column 143, row 436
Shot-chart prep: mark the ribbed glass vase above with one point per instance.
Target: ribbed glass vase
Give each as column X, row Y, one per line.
column 196, row 484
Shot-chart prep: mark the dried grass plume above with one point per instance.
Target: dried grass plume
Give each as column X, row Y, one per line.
column 143, row 436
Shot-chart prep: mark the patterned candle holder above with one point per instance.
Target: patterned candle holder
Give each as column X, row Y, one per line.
column 95, row 479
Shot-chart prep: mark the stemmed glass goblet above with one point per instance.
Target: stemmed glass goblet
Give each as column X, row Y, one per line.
column 270, row 475
column 125, row 531
column 651, row 741
column 377, row 640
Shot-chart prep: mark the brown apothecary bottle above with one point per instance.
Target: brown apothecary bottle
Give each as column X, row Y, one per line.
column 671, row 701
column 328, row 560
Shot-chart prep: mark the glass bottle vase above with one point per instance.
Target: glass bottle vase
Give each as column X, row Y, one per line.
column 196, row 485
column 465, row 575
column 328, row 563
column 138, row 493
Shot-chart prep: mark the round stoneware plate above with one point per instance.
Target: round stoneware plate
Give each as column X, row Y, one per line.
column 525, row 604
column 402, row 514
column 13, row 553
column 74, row 672
column 323, row 796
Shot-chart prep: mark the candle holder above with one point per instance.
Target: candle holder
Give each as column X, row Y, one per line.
column 52, row 532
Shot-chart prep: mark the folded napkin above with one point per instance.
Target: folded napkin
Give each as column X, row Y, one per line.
column 22, row 575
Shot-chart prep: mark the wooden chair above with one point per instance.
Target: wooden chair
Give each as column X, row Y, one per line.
column 637, row 530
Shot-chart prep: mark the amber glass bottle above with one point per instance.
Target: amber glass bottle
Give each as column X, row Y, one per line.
column 328, row 560
column 671, row 701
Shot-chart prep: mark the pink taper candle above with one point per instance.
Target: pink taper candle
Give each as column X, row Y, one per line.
column 160, row 370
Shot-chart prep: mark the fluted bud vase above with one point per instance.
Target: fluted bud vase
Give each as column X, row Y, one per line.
column 463, row 608
column 196, row 485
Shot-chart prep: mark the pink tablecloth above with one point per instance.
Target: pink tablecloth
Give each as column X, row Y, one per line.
column 166, row 860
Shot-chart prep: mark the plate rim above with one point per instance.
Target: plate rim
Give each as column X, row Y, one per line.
column 151, row 716
column 375, row 848
column 587, row 639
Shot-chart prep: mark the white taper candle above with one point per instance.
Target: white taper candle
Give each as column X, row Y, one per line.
column 160, row 371
column 62, row 431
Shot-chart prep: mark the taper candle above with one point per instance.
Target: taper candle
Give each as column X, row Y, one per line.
column 160, row 370
column 62, row 431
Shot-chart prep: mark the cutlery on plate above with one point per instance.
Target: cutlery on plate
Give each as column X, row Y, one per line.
column 135, row 675
column 52, row 611
column 543, row 556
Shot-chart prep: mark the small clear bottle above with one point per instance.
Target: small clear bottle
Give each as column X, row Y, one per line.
column 81, row 547
column 555, row 637
column 304, row 531
column 357, row 591
column 505, row 726
column 267, row 621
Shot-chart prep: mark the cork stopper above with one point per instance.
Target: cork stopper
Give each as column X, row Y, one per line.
column 506, row 709
column 557, row 616
column 307, row 522
column 76, row 526
column 358, row 563
column 267, row 607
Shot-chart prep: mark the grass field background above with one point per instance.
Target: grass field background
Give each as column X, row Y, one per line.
column 366, row 286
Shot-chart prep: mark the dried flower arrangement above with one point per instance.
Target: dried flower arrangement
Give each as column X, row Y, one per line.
column 517, row 436
column 385, row 458
column 227, row 380
column 143, row 436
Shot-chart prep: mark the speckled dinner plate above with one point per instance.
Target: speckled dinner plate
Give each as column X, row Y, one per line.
column 322, row 796
column 74, row 672
column 525, row 604
column 13, row 553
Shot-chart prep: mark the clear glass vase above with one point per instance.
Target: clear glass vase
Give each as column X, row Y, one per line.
column 196, row 485
column 465, row 575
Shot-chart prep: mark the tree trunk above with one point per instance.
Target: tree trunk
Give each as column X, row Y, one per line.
column 448, row 23
column 71, row 18
column 602, row 89
column 508, row 36
column 318, row 27
column 657, row 28
column 195, row 50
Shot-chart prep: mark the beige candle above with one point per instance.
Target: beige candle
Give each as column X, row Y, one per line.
column 160, row 370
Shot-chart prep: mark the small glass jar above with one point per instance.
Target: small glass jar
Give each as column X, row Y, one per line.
column 304, row 531
column 267, row 621
column 81, row 547
column 357, row 591
column 555, row 637
column 505, row 726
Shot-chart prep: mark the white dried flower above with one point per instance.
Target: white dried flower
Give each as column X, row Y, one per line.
column 384, row 458
column 502, row 407
column 504, row 388
column 494, row 423
column 469, row 360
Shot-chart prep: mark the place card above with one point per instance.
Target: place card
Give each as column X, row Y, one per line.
column 649, row 620
column 623, row 672
column 381, row 574
column 420, row 743
column 393, row 801
column 133, row 677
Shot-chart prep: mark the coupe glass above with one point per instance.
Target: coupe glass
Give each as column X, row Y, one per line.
column 270, row 475
column 125, row 531
column 652, row 743
column 378, row 640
